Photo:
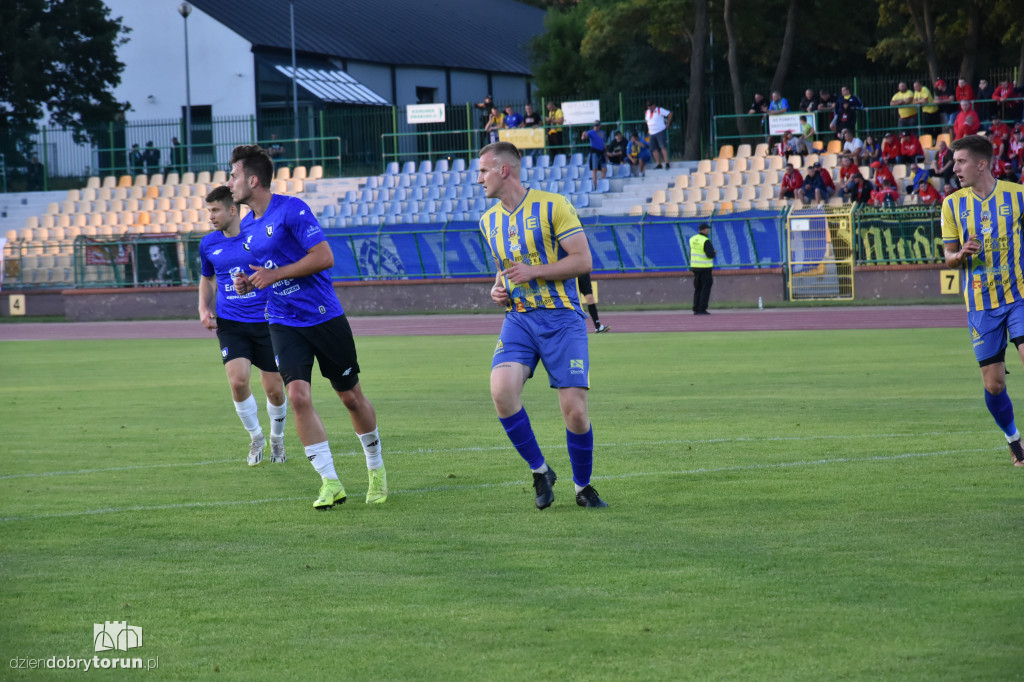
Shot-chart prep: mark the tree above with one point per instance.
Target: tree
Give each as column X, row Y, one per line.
column 58, row 59
column 786, row 53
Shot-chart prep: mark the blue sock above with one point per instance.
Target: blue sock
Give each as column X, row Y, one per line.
column 1002, row 411
column 521, row 434
column 581, row 455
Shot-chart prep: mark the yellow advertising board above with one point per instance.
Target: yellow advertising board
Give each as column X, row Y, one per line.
column 524, row 138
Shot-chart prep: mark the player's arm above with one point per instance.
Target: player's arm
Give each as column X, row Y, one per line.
column 576, row 262
column 956, row 254
column 208, row 302
column 499, row 294
column 317, row 259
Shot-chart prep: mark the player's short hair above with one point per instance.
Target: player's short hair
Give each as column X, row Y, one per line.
column 221, row 195
column 255, row 161
column 506, row 152
column 975, row 145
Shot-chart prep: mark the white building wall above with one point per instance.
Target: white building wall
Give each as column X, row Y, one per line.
column 220, row 62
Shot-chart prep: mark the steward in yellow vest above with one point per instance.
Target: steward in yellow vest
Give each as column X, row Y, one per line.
column 702, row 260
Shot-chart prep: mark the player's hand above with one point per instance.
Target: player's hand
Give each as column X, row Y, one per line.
column 209, row 320
column 519, row 273
column 242, row 284
column 499, row 294
column 261, row 278
column 972, row 246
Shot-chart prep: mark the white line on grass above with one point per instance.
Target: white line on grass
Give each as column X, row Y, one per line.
column 446, row 488
column 498, row 448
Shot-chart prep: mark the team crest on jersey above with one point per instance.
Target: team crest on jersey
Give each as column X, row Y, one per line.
column 270, row 230
column 513, row 232
column 246, row 244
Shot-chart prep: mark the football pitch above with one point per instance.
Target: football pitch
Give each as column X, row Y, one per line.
column 783, row 506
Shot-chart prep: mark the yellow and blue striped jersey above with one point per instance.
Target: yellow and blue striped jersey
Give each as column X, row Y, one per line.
column 994, row 276
column 531, row 234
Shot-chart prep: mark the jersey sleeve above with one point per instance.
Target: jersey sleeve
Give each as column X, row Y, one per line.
column 204, row 261
column 950, row 230
column 303, row 224
column 566, row 220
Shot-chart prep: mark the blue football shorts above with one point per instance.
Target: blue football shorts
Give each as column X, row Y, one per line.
column 558, row 338
column 989, row 330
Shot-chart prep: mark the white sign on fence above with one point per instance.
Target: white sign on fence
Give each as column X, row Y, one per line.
column 424, row 113
column 780, row 123
column 582, row 113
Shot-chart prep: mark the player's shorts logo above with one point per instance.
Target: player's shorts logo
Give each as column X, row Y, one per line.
column 224, row 352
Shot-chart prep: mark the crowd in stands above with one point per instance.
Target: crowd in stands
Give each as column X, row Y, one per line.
column 866, row 166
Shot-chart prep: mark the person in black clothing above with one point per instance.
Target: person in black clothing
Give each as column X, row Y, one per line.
column 702, row 253
column 151, row 157
column 136, row 160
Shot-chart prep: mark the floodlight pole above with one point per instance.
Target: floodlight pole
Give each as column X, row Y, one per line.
column 185, row 9
column 295, row 87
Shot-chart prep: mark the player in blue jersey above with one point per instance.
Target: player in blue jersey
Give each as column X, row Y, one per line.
column 539, row 247
column 292, row 261
column 241, row 325
column 982, row 229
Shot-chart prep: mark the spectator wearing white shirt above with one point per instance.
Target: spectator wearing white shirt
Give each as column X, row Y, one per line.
column 852, row 145
column 658, row 121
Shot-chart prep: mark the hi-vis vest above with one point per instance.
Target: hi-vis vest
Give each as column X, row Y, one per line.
column 698, row 259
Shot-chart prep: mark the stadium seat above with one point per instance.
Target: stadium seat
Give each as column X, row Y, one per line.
column 283, row 173
column 756, row 164
column 743, row 151
column 316, row 172
column 926, row 141
column 559, row 161
column 636, row 209
column 220, row 177
column 725, row 153
column 93, row 182
column 720, row 166
column 441, row 166
column 124, row 181
column 704, row 166
column 603, row 186
column 576, row 159
column 188, row 178
column 110, row 181
column 527, row 161
column 426, row 167
column 543, row 161
column 299, row 173
column 761, row 149
column 459, row 165
column 204, row 177
column 834, row 147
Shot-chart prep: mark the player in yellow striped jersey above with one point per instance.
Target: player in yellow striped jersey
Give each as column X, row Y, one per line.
column 539, row 248
column 982, row 230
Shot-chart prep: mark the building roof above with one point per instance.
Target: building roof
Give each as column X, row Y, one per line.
column 332, row 85
column 489, row 35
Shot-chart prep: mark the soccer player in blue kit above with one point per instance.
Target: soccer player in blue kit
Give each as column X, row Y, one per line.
column 982, row 232
column 537, row 241
column 241, row 325
column 292, row 260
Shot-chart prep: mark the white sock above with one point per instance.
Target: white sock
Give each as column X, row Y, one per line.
column 1015, row 436
column 542, row 470
column 579, row 487
column 277, row 416
column 320, row 457
column 371, row 448
column 247, row 413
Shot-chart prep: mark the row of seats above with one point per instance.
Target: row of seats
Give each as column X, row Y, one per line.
column 743, row 151
column 459, row 165
column 218, row 177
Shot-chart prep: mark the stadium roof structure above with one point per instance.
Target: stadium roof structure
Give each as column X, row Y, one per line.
column 479, row 35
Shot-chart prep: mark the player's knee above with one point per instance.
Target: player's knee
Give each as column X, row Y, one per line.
column 299, row 397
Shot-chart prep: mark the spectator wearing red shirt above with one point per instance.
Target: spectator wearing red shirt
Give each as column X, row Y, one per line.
column 927, row 194
column 964, row 91
column 791, row 182
column 967, row 121
column 882, row 173
column 999, row 128
column 1016, row 149
column 910, row 147
column 886, row 195
column 890, row 149
column 1006, row 95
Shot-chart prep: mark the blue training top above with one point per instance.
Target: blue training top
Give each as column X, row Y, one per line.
column 224, row 256
column 281, row 236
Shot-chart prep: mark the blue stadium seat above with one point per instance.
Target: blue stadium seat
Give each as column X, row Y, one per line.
column 409, row 168
column 366, row 196
column 622, row 170
column 434, row 192
column 451, row 192
column 553, row 186
column 441, row 166
column 479, row 205
column 581, row 200
column 372, row 182
column 603, row 186
column 524, row 174
column 345, row 210
column 543, row 161
column 576, row 159
column 388, row 181
column 462, row 206
column 437, row 178
column 350, row 196
column 446, row 208
column 420, row 180
column 459, row 165
column 392, row 168
column 330, row 210
column 559, row 161
column 527, row 161
column 426, row 166
column 474, row 165
column 404, row 181
column 556, row 173
column 572, row 173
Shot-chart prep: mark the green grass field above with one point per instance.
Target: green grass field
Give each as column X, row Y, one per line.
column 784, row 506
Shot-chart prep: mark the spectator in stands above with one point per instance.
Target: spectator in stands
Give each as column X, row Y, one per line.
column 178, row 156
column 759, row 105
column 485, row 116
column 809, row 102
column 34, row 174
column 495, row 123
column 791, row 144
column 512, row 119
column 848, row 172
column 852, row 145
column 1006, row 97
column 917, row 175
column 1016, row 149
column 658, row 122
column 791, row 182
column 596, row 159
column 826, row 107
column 845, row 117
column 637, row 154
column 151, row 157
column 848, row 96
column 967, row 122
column 531, row 119
column 998, row 128
column 883, row 172
column 862, row 190
column 275, row 149
column 910, row 147
column 1002, row 169
column 885, row 195
column 927, row 194
column 982, row 103
column 947, row 105
column 890, row 149
column 942, row 164
column 136, row 161
column 779, row 104
column 815, row 187
column 872, row 151
column 903, row 99
column 615, row 150
column 807, row 132
column 964, row 91
column 554, row 121
column 929, row 110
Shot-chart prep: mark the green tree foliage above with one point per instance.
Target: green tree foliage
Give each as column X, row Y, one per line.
column 58, row 58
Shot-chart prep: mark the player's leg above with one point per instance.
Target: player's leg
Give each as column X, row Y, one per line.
column 238, row 371
column 989, row 330
column 273, row 388
column 586, row 289
column 295, row 359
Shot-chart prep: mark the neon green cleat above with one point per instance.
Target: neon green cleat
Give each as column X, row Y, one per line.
column 331, row 493
column 377, row 491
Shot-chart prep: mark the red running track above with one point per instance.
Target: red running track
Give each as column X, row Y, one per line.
column 733, row 320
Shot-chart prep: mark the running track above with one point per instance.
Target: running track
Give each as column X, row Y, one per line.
column 772, row 319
